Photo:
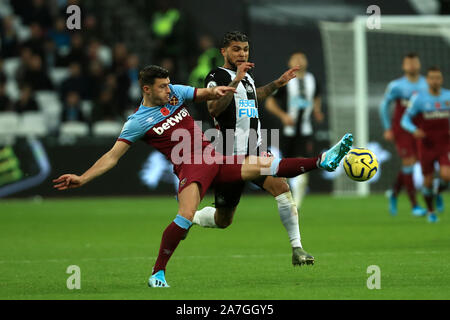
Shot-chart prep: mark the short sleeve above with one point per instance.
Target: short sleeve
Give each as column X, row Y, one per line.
column 414, row 105
column 131, row 132
column 217, row 77
column 186, row 92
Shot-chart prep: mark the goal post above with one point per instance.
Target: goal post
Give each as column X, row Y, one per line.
column 359, row 64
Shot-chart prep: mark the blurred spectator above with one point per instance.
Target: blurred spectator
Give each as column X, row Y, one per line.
column 96, row 51
column 51, row 54
column 74, row 83
column 21, row 8
column 36, row 42
column 38, row 12
column 77, row 51
column 25, row 59
column 90, row 27
column 120, row 56
column 72, row 108
column 169, row 64
column 5, row 102
column 133, row 68
column 209, row 59
column 120, row 69
column 26, row 100
column 171, row 32
column 36, row 76
column 95, row 79
column 105, row 107
column 133, row 74
column 8, row 36
column 59, row 34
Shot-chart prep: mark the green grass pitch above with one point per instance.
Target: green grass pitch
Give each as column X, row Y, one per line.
column 115, row 243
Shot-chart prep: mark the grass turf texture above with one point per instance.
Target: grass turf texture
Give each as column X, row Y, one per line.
column 115, row 243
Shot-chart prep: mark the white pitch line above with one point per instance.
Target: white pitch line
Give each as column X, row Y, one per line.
column 234, row 256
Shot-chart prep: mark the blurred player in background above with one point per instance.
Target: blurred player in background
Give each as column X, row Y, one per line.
column 232, row 113
column 293, row 105
column 400, row 91
column 163, row 121
column 427, row 118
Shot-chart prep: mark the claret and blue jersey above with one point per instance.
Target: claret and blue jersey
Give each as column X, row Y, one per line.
column 429, row 113
column 155, row 125
column 400, row 91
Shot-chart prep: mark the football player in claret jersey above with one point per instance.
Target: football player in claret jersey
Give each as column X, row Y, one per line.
column 163, row 121
column 427, row 118
column 400, row 91
column 237, row 117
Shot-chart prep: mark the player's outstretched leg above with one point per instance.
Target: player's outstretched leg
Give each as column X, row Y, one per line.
column 331, row 158
column 301, row 257
column 189, row 198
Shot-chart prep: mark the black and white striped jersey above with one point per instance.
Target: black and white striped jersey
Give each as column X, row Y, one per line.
column 241, row 115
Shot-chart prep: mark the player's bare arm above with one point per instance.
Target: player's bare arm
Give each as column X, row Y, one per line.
column 273, row 107
column 419, row 134
column 263, row 92
column 216, row 107
column 318, row 114
column 205, row 94
column 104, row 164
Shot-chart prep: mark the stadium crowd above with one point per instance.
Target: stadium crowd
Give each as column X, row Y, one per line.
column 91, row 80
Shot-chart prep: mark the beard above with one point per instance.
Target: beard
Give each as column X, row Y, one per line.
column 233, row 65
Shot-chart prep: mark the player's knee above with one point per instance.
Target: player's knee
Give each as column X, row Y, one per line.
column 279, row 187
column 445, row 175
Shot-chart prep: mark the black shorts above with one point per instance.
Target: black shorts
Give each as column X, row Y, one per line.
column 228, row 195
column 298, row 146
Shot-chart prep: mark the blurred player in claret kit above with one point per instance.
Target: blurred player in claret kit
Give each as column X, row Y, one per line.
column 163, row 122
column 400, row 91
column 427, row 118
column 239, row 113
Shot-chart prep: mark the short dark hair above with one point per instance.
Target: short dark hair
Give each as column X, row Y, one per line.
column 233, row 36
column 411, row 55
column 433, row 68
column 148, row 75
column 298, row 52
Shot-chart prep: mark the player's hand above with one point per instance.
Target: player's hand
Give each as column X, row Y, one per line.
column 287, row 76
column 220, row 91
column 287, row 120
column 67, row 181
column 388, row 135
column 419, row 134
column 318, row 115
column 242, row 70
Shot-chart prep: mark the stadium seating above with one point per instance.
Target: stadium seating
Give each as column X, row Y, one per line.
column 8, row 126
column 32, row 123
column 74, row 129
column 50, row 105
column 10, row 66
column 58, row 75
column 106, row 129
column 86, row 108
